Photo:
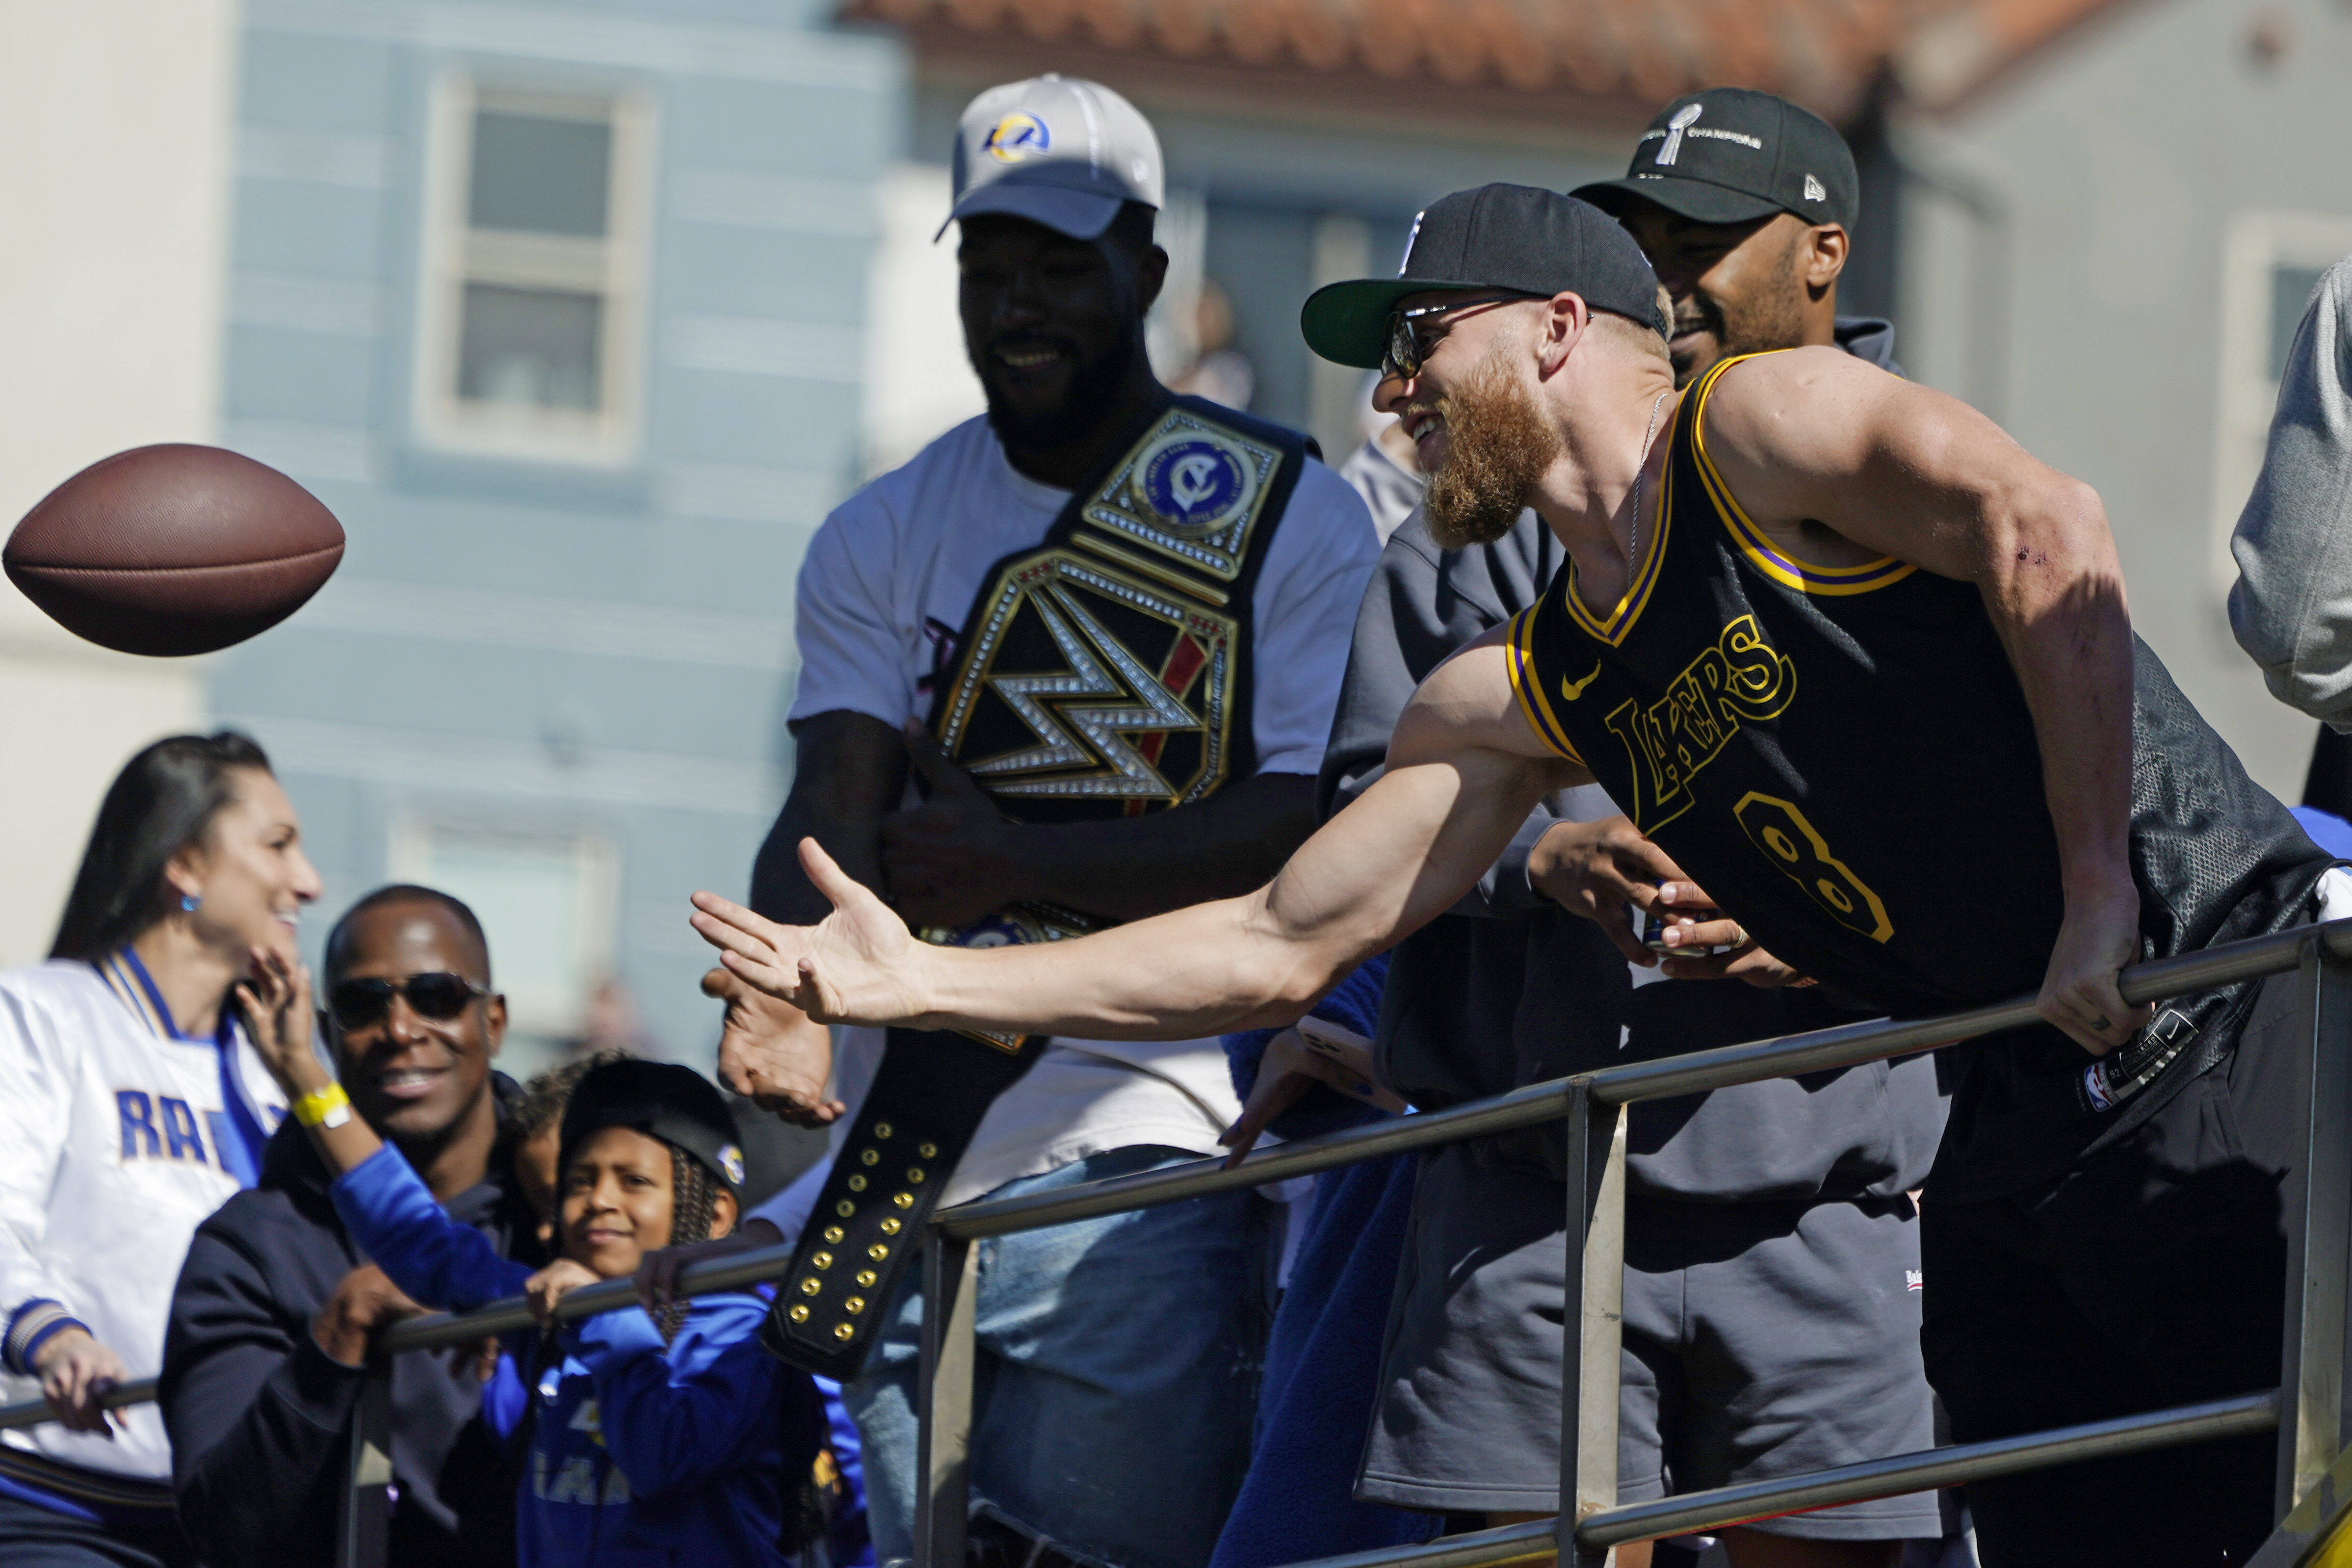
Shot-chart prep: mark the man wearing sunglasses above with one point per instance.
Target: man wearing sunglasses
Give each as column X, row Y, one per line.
column 274, row 1311
column 1864, row 669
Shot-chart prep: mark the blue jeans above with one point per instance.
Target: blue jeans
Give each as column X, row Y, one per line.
column 1117, row 1379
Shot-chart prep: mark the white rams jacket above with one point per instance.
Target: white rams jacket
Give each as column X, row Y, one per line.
column 117, row 1138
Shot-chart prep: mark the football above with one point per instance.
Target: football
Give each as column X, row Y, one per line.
column 174, row 549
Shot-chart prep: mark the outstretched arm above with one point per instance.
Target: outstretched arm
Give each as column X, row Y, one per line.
column 1463, row 771
column 1815, row 440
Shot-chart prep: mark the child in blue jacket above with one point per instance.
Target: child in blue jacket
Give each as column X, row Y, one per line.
column 650, row 1441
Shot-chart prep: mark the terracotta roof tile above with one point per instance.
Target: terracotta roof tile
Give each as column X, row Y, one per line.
column 1823, row 53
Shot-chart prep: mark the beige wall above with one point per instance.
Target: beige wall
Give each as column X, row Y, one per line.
column 2072, row 278
column 115, row 119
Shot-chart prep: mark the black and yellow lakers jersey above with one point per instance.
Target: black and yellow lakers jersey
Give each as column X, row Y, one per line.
column 1844, row 758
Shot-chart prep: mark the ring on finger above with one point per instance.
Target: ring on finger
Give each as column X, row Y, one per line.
column 2101, row 1023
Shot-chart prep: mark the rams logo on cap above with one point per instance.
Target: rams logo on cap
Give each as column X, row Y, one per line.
column 1017, row 136
column 1192, row 481
column 730, row 1162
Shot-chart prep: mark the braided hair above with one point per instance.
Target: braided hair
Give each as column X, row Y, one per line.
column 694, row 1202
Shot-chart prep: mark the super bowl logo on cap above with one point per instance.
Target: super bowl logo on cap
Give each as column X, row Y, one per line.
column 1195, row 481
column 730, row 1160
column 1684, row 117
column 1017, row 136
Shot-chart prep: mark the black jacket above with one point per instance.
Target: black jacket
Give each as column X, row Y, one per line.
column 259, row 1414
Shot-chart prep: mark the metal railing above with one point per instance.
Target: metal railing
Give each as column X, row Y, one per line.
column 366, row 1512
column 2309, row 1408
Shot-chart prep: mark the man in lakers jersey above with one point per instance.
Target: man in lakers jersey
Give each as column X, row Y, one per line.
column 1863, row 668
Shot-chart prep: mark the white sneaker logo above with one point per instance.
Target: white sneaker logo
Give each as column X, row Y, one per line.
column 1813, row 191
column 1684, row 117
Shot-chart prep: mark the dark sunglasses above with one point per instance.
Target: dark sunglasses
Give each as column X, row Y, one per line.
column 1414, row 334
column 439, row 995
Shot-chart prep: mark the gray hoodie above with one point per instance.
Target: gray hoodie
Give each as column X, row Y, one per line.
column 2292, row 607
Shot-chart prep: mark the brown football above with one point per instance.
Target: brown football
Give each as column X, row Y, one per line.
column 174, row 549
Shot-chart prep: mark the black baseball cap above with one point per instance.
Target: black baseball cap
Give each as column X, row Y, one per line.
column 1513, row 237
column 1732, row 154
column 672, row 1103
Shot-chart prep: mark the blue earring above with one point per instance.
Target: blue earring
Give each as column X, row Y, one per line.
column 189, row 901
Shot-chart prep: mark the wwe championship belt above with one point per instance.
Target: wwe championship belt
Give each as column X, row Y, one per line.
column 1101, row 675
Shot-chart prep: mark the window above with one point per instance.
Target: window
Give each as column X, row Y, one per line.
column 545, row 894
column 2270, row 264
column 533, row 277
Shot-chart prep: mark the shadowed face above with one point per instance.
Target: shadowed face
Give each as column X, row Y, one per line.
column 414, row 1078
column 1737, row 289
column 1052, row 324
column 535, row 1173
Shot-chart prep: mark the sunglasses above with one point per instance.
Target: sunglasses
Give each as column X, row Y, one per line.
column 439, row 995
column 1414, row 334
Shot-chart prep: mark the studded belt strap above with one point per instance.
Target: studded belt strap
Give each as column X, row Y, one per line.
column 927, row 1101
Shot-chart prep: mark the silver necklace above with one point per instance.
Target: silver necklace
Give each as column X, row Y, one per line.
column 1641, row 471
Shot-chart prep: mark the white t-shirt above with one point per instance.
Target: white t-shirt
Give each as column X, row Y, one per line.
column 883, row 593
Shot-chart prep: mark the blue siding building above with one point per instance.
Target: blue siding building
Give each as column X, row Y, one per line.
column 562, row 311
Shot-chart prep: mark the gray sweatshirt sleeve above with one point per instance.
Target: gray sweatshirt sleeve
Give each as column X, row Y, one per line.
column 2292, row 606
column 1420, row 606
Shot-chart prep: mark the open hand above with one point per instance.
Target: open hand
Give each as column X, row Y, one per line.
column 2098, row 937
column 859, row 965
column 953, row 858
column 771, row 1053
column 551, row 1284
column 75, row 1369
column 275, row 999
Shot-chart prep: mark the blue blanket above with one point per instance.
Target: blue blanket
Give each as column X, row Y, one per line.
column 1323, row 1358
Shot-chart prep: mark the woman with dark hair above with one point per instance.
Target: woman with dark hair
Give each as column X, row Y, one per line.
column 131, row 1106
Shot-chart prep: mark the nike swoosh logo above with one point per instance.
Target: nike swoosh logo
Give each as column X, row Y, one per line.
column 1573, row 690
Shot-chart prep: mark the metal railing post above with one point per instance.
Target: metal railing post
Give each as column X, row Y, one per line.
column 2318, row 1211
column 363, row 1529
column 1590, row 1330
column 943, row 1406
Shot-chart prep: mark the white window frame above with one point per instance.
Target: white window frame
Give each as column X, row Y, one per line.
column 615, row 268
column 595, row 917
column 2257, row 243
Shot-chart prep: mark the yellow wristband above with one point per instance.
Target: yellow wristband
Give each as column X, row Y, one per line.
column 328, row 1107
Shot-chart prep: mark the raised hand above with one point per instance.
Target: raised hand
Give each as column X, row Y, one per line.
column 773, row 1053
column 953, row 858
column 859, row 965
column 275, row 999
